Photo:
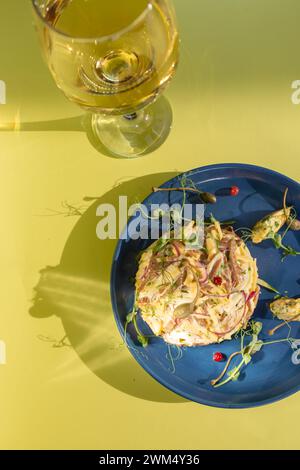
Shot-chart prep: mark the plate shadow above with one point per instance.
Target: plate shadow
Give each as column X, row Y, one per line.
column 77, row 292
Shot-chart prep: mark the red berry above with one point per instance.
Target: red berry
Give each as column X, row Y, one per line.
column 217, row 280
column 234, row 190
column 218, row 357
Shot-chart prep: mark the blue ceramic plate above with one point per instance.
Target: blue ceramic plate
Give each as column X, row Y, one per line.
column 271, row 375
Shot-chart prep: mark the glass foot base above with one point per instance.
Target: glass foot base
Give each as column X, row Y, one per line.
column 135, row 134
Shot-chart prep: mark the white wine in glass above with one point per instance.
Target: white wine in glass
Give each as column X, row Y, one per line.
column 113, row 58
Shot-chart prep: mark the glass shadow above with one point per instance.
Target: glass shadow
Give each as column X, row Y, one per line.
column 84, row 123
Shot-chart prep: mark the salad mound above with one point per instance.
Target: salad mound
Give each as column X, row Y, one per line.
column 197, row 296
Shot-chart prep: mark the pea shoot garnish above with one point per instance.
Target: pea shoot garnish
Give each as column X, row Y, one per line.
column 286, row 249
column 131, row 318
column 246, row 352
column 170, row 268
column 187, row 185
column 268, row 229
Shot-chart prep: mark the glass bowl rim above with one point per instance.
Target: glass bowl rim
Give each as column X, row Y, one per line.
column 103, row 38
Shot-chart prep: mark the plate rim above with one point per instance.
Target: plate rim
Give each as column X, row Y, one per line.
column 188, row 396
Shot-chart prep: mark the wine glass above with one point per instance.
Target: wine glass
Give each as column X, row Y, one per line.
column 113, row 58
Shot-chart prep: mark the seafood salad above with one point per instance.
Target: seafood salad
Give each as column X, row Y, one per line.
column 196, row 295
column 200, row 296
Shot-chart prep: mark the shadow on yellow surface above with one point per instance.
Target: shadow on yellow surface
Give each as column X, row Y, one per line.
column 80, row 123
column 77, row 291
column 84, row 123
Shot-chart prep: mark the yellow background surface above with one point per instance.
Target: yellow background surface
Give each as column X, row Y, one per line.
column 231, row 101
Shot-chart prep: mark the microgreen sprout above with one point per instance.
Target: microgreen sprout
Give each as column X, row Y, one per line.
column 276, row 238
column 187, row 184
column 246, row 352
column 131, row 318
column 284, row 323
column 246, row 233
column 286, row 249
